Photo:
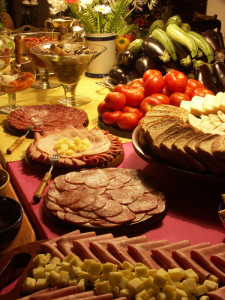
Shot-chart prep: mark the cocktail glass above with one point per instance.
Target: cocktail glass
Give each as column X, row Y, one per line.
column 35, row 38
column 68, row 61
column 16, row 78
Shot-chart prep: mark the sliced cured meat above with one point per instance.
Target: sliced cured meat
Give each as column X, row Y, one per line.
column 87, row 200
column 110, row 209
column 120, row 248
column 87, row 214
column 139, row 217
column 76, row 219
column 51, row 205
column 126, row 215
column 159, row 209
column 120, row 196
column 183, row 257
column 115, row 184
column 142, row 252
column 75, row 177
column 82, row 246
column 99, row 248
column 144, row 203
column 89, row 190
column 62, row 185
column 202, row 257
column 65, row 244
column 219, row 260
column 217, row 294
column 96, row 180
column 164, row 254
column 53, row 193
column 100, row 202
column 68, row 198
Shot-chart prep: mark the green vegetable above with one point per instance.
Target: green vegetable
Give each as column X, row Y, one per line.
column 156, row 24
column 203, row 45
column 179, row 35
column 135, row 46
column 161, row 36
column 176, row 19
column 186, row 27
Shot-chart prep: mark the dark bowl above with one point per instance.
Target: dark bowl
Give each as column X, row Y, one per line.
column 11, row 216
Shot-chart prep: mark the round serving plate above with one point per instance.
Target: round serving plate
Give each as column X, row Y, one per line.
column 165, row 166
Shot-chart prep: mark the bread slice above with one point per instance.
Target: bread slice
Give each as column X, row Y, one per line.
column 218, row 147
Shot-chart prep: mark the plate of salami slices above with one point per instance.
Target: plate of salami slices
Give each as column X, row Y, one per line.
column 105, row 198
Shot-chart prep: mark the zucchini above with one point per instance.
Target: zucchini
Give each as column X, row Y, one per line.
column 186, row 27
column 182, row 55
column 179, row 35
column 156, row 24
column 203, row 45
column 135, row 46
column 176, row 19
column 161, row 36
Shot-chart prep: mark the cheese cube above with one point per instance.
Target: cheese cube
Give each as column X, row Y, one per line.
column 126, row 265
column 141, row 271
column 76, row 261
column 108, row 267
column 191, row 285
column 136, row 285
column 216, row 103
column 103, row 287
column 202, row 289
column 64, row 278
column 81, row 286
column 55, row 260
column 126, row 293
column 197, row 106
column 189, row 273
column 161, row 296
column 41, row 283
column 50, row 267
column 115, row 278
column 213, row 278
column 29, row 285
column 143, row 295
column 176, row 274
column 65, row 266
column 169, row 290
column 222, row 103
column 39, row 272
column 94, row 268
column 53, row 278
column 212, row 285
column 72, row 282
column 40, row 260
column 186, row 104
column 208, row 104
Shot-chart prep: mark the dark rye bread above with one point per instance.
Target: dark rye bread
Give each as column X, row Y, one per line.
column 218, row 147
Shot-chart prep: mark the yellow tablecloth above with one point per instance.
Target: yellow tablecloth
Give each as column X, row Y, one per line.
column 87, row 86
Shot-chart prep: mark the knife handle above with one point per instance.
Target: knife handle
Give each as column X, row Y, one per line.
column 15, row 144
column 40, row 190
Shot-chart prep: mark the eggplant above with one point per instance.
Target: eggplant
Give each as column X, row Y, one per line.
column 131, row 76
column 219, row 73
column 183, row 55
column 143, row 64
column 117, row 75
column 165, row 68
column 126, row 58
column 155, row 50
column 204, row 75
column 216, row 43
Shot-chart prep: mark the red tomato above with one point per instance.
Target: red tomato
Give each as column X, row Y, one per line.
column 131, row 109
column 121, row 88
column 147, row 104
column 115, row 100
column 137, row 82
column 127, row 121
column 188, row 91
column 154, row 85
column 162, row 98
column 194, row 84
column 176, row 81
column 150, row 73
column 201, row 92
column 102, row 108
column 134, row 96
column 166, row 92
column 110, row 117
column 177, row 97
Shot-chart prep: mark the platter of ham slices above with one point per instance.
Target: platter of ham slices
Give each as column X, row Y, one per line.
column 105, row 198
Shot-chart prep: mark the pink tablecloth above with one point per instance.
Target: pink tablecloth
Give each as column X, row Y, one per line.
column 192, row 204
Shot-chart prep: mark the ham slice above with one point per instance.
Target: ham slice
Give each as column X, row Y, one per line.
column 164, row 254
column 56, row 294
column 83, row 295
column 183, row 257
column 202, row 256
column 217, row 294
column 142, row 252
column 51, row 245
column 219, row 260
column 120, row 248
column 82, row 246
column 65, row 244
column 99, row 248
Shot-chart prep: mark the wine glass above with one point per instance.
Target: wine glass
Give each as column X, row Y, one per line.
column 68, row 61
column 16, row 78
column 35, row 38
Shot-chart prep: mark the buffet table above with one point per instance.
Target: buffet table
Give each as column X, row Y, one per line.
column 192, row 200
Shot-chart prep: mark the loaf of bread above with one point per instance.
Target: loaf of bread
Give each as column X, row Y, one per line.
column 170, row 134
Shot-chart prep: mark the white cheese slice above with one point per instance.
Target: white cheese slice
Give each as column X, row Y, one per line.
column 208, row 104
column 217, row 100
column 197, row 106
column 222, row 103
column 186, row 105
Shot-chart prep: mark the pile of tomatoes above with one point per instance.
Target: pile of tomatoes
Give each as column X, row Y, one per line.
column 127, row 104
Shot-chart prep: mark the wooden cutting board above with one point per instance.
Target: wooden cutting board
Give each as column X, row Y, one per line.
column 26, row 233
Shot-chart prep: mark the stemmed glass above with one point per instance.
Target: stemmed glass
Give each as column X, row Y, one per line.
column 35, row 38
column 68, row 61
column 16, row 78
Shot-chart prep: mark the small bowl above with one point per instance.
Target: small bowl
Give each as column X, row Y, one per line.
column 4, row 182
column 11, row 216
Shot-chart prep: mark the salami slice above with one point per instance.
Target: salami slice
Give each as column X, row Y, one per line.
column 53, row 193
column 115, row 184
column 120, row 196
column 159, row 209
column 87, row 214
column 62, row 185
column 68, row 198
column 74, row 177
column 144, row 203
column 96, row 180
column 126, row 215
column 100, row 201
column 76, row 219
column 53, row 206
column 111, row 208
column 87, row 200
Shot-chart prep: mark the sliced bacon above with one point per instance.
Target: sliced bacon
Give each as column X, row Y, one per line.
column 82, row 247
column 99, row 248
column 142, row 252
column 164, row 254
column 51, row 245
column 65, row 244
column 219, row 260
column 183, row 257
column 120, row 248
column 202, row 256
